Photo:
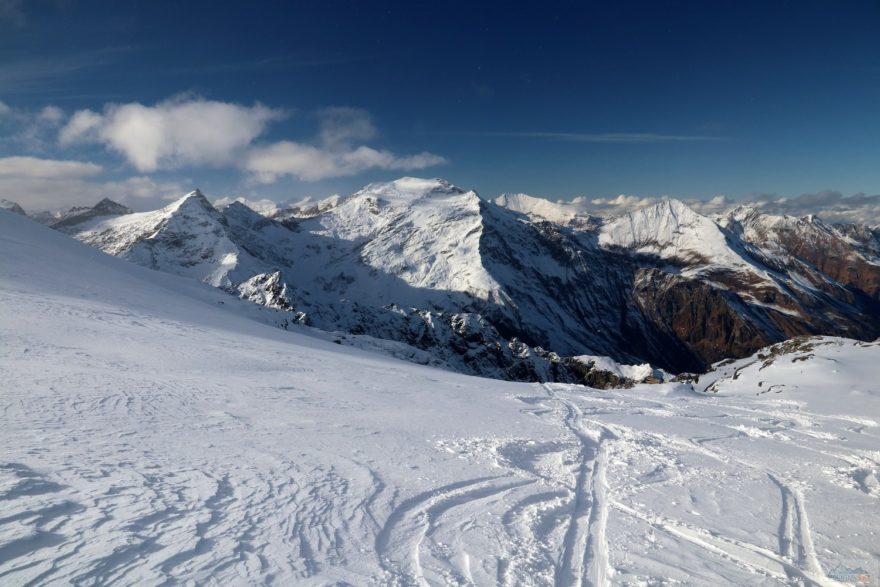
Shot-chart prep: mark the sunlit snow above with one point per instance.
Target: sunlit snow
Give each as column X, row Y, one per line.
column 158, row 430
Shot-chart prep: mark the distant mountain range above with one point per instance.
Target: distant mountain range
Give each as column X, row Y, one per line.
column 517, row 288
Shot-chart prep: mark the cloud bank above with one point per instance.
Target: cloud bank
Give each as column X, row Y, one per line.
column 192, row 132
column 36, row 193
column 172, row 134
column 32, row 167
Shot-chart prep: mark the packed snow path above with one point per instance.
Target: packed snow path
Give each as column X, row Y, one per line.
column 152, row 435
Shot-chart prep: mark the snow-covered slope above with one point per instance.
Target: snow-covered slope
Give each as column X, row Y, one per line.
column 424, row 232
column 671, row 230
column 187, row 237
column 848, row 254
column 155, row 431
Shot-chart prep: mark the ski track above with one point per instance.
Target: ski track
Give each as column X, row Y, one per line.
column 317, row 512
column 584, row 558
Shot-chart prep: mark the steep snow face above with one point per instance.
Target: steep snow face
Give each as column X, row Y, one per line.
column 865, row 237
column 187, row 237
column 768, row 229
column 849, row 255
column 155, row 432
column 782, row 234
column 424, row 232
column 565, row 213
column 671, row 230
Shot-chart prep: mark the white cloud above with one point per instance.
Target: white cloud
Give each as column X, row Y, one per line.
column 334, row 152
column 4, row 109
column 342, row 126
column 82, row 126
column 622, row 202
column 33, row 130
column 311, row 163
column 192, row 131
column 264, row 206
column 40, row 193
column 33, row 167
column 174, row 133
column 51, row 115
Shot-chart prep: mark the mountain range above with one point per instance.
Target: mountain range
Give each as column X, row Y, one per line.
column 517, row 288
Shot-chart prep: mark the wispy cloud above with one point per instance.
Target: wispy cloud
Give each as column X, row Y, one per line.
column 43, row 74
column 175, row 133
column 33, row 167
column 337, row 151
column 574, row 137
column 274, row 63
column 57, row 193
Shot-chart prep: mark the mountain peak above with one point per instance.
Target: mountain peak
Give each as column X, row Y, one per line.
column 193, row 200
column 656, row 222
column 408, row 189
column 675, row 209
column 107, row 207
column 12, row 207
column 671, row 229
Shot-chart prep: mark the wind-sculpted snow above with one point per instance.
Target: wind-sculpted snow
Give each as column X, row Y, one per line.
column 156, row 430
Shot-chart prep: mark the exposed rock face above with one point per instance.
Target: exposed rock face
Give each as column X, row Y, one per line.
column 849, row 254
column 77, row 216
column 519, row 288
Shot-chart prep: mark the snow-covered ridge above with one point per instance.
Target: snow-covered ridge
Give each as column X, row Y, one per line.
column 187, row 237
column 542, row 208
column 672, row 230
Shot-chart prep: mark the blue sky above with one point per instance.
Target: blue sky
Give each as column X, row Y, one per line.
column 283, row 100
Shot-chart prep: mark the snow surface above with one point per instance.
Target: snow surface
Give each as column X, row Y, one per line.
column 155, row 432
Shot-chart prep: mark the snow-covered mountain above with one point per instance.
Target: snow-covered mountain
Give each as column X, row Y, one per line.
column 12, row 207
column 513, row 288
column 158, row 431
column 849, row 254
